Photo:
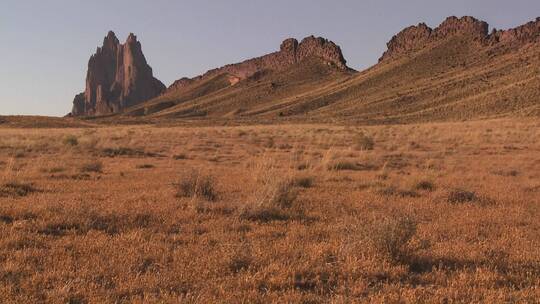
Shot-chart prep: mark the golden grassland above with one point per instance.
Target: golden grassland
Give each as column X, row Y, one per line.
column 439, row 213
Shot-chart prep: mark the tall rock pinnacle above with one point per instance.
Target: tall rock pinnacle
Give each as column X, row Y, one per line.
column 118, row 76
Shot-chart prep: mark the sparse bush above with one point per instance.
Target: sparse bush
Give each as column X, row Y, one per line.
column 425, row 185
column 508, row 173
column 269, row 143
column 285, row 147
column 53, row 170
column 272, row 199
column 284, row 194
column 71, row 140
column 145, row 166
column 196, row 184
column 239, row 260
column 390, row 236
column 16, row 189
column 180, row 156
column 393, row 191
column 460, row 196
column 19, row 153
column 303, row 181
column 364, row 142
column 346, row 165
column 241, row 133
column 125, row 151
column 95, row 166
column 343, row 166
column 303, row 166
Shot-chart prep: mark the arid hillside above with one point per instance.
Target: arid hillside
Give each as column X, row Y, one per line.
column 454, row 72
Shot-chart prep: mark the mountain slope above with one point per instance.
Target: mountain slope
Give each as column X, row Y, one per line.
column 456, row 71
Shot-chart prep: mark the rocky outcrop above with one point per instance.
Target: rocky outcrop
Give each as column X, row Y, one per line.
column 467, row 25
column 118, row 76
column 411, row 38
column 527, row 33
column 291, row 52
column 417, row 37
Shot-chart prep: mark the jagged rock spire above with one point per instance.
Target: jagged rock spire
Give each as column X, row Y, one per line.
column 118, row 76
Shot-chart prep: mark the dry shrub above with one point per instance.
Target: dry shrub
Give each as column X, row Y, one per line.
column 95, row 166
column 126, row 151
column 195, row 184
column 16, row 189
column 273, row 199
column 343, row 166
column 424, row 185
column 269, row 143
column 460, row 196
column 394, row 191
column 145, row 166
column 390, row 236
column 238, row 263
column 303, row 181
column 71, row 140
column 240, row 258
column 84, row 220
column 180, row 156
column 53, row 170
column 364, row 142
column 241, row 133
column 346, row 165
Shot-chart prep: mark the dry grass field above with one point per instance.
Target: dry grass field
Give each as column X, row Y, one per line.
column 421, row 213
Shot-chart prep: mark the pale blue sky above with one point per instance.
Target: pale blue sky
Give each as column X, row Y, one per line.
column 45, row 45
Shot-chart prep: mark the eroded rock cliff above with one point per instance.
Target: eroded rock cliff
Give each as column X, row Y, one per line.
column 118, row 76
column 417, row 37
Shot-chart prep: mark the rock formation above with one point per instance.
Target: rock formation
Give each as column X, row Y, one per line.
column 290, row 52
column 527, row 33
column 417, row 37
column 117, row 77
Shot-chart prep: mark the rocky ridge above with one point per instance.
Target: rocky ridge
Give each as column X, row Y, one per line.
column 417, row 37
column 291, row 52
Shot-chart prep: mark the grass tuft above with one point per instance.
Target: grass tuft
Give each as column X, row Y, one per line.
column 16, row 189
column 95, row 167
column 364, row 142
column 460, row 196
column 195, row 185
column 390, row 236
column 71, row 140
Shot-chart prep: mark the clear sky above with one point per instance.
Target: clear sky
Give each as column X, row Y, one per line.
column 45, row 45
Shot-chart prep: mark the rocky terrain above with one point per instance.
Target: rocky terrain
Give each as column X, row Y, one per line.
column 118, row 77
column 291, row 52
column 417, row 37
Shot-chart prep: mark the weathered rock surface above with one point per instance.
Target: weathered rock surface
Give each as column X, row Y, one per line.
column 527, row 33
column 417, row 37
column 118, row 76
column 291, row 52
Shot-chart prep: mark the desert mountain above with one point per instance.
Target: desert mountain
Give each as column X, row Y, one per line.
column 118, row 77
column 290, row 52
column 242, row 87
column 456, row 71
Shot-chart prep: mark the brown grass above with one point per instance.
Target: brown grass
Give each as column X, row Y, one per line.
column 196, row 185
column 243, row 225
